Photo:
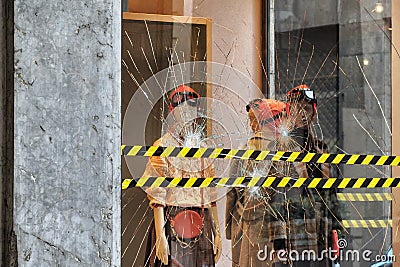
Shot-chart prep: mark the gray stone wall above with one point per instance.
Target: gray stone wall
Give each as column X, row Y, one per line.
column 67, row 132
column 294, row 14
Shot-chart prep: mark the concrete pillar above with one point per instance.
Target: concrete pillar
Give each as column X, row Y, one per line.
column 67, row 132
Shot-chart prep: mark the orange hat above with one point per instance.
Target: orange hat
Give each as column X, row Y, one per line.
column 182, row 94
column 265, row 112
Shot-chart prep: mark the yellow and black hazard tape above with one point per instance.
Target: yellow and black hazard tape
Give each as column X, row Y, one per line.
column 364, row 196
column 266, row 181
column 367, row 223
column 225, row 153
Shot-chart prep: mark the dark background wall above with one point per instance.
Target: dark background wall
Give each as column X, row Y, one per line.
column 8, row 249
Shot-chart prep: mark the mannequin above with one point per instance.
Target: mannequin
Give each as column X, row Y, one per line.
column 310, row 214
column 250, row 212
column 199, row 243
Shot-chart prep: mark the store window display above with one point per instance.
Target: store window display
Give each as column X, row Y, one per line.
column 185, row 231
column 310, row 215
column 293, row 44
column 249, row 213
column 292, row 220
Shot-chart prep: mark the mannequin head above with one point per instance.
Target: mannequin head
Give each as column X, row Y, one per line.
column 183, row 104
column 183, row 122
column 181, row 95
column 265, row 114
column 301, row 106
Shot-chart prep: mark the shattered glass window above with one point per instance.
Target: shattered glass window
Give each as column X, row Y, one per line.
column 268, row 121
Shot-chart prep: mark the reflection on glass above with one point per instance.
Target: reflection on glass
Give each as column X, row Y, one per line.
column 338, row 52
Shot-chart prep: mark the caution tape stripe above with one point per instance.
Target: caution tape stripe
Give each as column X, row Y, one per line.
column 364, row 196
column 367, row 223
column 275, row 182
column 221, row 153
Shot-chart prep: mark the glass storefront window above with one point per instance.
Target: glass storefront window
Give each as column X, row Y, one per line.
column 293, row 76
column 343, row 50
